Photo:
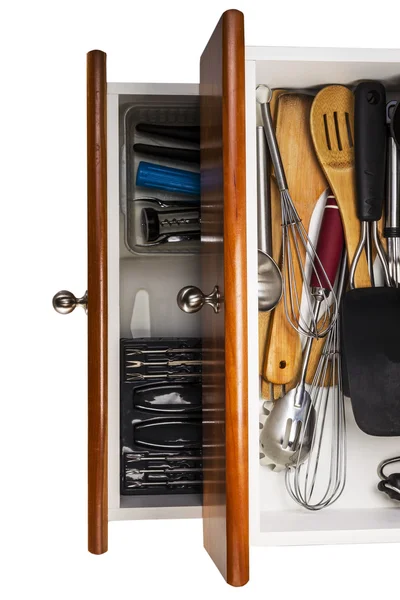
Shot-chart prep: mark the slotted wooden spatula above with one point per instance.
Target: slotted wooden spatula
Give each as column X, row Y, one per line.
column 332, row 130
column 306, row 184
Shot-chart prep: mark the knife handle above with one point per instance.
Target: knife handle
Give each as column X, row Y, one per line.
column 186, row 133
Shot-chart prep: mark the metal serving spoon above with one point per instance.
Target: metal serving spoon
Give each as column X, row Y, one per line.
column 287, row 434
column 269, row 275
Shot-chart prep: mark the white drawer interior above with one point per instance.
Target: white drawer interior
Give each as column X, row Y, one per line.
column 362, row 513
column 161, row 271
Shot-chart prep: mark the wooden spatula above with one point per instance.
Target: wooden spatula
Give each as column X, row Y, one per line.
column 332, row 130
column 306, row 184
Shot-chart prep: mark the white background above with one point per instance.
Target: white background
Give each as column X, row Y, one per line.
column 43, row 249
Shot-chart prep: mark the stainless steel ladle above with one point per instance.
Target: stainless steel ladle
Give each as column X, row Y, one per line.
column 269, row 274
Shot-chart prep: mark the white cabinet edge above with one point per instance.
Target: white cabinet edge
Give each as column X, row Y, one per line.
column 277, row 53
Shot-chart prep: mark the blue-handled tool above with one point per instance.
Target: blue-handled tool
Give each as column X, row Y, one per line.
column 166, row 178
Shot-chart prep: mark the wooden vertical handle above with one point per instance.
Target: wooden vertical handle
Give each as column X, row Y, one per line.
column 283, row 355
column 97, row 302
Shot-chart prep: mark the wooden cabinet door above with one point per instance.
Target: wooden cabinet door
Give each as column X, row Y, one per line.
column 97, row 302
column 223, row 204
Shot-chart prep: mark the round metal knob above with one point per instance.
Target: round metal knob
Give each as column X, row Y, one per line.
column 191, row 299
column 65, row 302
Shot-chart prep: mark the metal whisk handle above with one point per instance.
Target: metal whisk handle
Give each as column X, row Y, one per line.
column 264, row 95
column 393, row 185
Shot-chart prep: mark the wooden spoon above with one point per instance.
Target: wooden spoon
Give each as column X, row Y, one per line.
column 332, row 130
column 306, row 183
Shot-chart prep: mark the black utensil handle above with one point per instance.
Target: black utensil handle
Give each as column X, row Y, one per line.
column 188, row 133
column 183, row 154
column 391, row 486
column 370, row 133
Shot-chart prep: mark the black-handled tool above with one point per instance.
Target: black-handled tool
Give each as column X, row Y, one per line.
column 158, row 226
column 370, row 148
column 370, row 133
column 389, row 484
column 182, row 154
column 187, row 133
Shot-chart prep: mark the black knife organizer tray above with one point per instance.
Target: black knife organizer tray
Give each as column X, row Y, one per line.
column 160, row 416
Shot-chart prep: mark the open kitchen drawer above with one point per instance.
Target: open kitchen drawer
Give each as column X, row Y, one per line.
column 224, row 263
column 119, row 266
column 362, row 513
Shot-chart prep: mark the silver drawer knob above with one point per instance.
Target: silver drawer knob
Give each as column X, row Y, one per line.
column 191, row 299
column 65, row 302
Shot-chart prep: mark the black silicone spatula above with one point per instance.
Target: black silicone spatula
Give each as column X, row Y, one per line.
column 371, row 337
column 371, row 316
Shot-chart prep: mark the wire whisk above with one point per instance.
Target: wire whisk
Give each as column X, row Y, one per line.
column 329, row 440
column 298, row 253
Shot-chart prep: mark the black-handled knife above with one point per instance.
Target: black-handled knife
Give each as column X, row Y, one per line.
column 187, row 133
column 183, row 154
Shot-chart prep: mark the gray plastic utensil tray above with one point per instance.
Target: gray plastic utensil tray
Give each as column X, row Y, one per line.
column 160, row 110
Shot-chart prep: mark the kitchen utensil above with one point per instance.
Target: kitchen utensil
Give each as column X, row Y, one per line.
column 269, row 275
column 370, row 337
column 392, row 225
column 163, row 375
column 307, row 183
column 174, row 408
column 187, row 133
column 171, row 238
column 167, row 484
column 140, row 321
column 315, row 355
column 166, row 457
column 389, row 484
column 294, row 237
column 395, row 125
column 166, row 469
column 169, row 397
column 183, row 154
column 289, row 429
column 157, row 226
column 304, row 481
column 370, row 153
column 135, row 364
column 268, row 391
column 332, row 130
column 150, row 175
column 168, row 433
column 371, row 314
column 133, row 351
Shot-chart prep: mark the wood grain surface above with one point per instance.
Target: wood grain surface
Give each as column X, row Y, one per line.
column 338, row 162
column 306, row 183
column 97, row 302
column 223, row 203
column 264, row 317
